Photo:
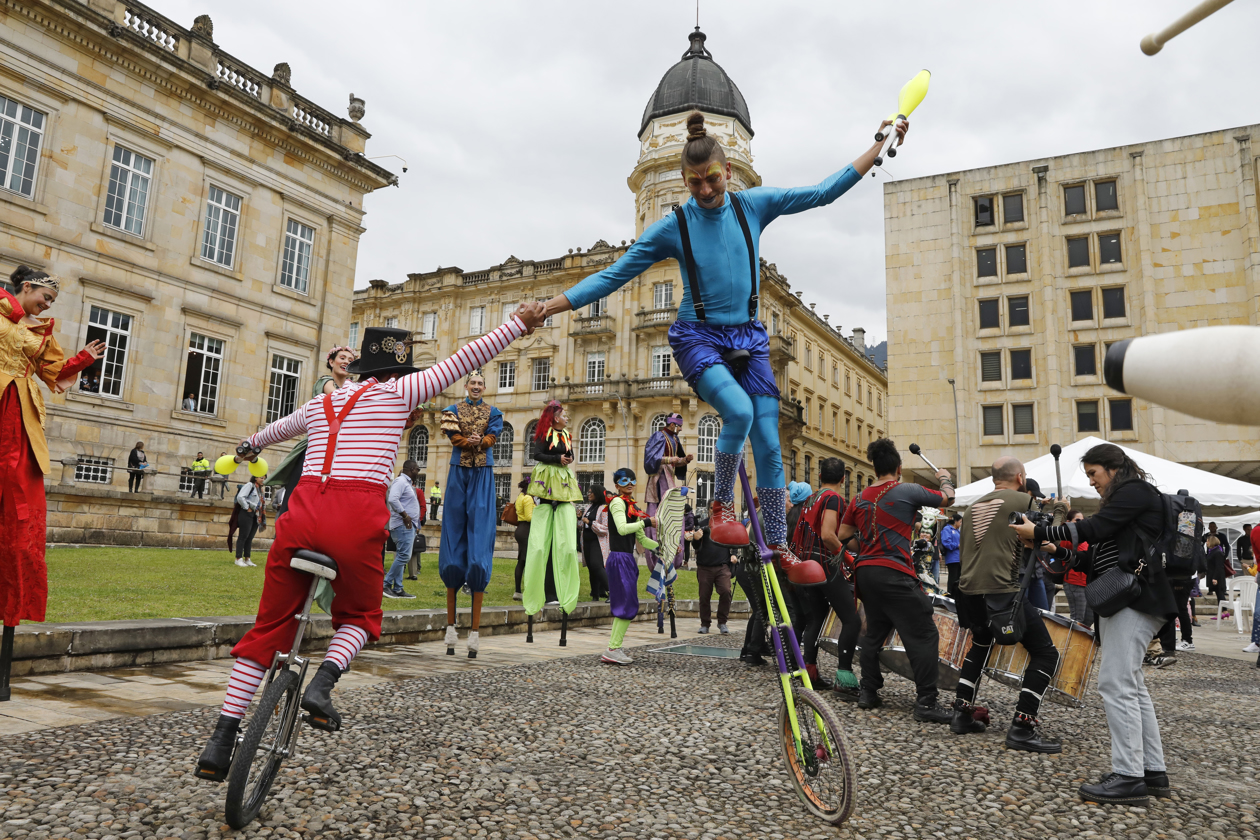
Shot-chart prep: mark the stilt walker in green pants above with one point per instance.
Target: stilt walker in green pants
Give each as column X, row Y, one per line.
column 553, row 528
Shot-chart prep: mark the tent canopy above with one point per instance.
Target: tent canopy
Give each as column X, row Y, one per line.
column 1216, row 493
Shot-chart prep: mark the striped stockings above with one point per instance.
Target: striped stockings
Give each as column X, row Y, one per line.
column 346, row 642
column 242, row 684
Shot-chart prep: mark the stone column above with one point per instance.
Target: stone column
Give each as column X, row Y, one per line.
column 1251, row 220
column 68, row 465
column 962, row 368
column 1149, row 324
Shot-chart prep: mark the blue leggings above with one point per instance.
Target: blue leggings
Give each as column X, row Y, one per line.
column 744, row 415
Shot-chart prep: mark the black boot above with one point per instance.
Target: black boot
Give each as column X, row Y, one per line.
column 964, row 722
column 1157, row 784
column 317, row 699
column 1023, row 736
column 1114, row 789
column 869, row 699
column 929, row 710
column 752, row 657
column 215, row 758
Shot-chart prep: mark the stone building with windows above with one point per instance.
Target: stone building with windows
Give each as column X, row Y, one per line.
column 205, row 219
column 1013, row 281
column 610, row 363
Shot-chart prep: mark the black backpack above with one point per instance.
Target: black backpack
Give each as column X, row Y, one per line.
column 1181, row 542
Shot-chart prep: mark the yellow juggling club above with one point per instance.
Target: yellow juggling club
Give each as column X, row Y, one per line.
column 912, row 93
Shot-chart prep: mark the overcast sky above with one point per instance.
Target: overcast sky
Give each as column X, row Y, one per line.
column 518, row 119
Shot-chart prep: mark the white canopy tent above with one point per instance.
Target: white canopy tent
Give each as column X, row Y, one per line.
column 1219, row 495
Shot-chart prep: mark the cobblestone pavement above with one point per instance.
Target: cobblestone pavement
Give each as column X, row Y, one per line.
column 671, row 747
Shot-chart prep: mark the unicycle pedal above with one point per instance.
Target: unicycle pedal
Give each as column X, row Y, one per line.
column 322, row 723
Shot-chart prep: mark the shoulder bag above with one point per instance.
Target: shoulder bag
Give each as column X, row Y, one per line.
column 1113, row 591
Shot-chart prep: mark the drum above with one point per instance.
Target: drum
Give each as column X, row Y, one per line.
column 952, row 646
column 1077, row 648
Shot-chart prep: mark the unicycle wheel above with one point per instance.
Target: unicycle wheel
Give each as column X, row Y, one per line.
column 822, row 771
column 267, row 741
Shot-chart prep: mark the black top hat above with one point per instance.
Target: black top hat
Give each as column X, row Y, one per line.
column 385, row 350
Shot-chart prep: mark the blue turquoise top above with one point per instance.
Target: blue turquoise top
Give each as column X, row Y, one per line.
column 718, row 245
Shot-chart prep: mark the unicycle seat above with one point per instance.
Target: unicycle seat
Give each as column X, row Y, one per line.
column 312, row 562
column 737, row 360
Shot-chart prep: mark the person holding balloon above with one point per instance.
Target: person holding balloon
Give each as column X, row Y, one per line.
column 720, row 346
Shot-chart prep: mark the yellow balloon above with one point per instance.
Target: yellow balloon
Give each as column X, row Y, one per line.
column 225, row 465
column 912, row 94
column 258, row 468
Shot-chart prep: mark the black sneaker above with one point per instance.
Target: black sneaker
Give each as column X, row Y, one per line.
column 1114, row 789
column 1157, row 784
column 932, row 712
column 868, row 699
column 399, row 592
column 389, row 592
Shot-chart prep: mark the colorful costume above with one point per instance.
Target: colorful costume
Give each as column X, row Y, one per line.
column 721, row 348
column 28, row 353
column 662, row 476
column 553, row 527
column 626, row 525
column 466, row 552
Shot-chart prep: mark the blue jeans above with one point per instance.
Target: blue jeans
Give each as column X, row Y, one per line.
column 404, row 539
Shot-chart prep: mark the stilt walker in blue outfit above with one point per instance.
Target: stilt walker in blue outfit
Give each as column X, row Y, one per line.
column 466, row 552
column 721, row 348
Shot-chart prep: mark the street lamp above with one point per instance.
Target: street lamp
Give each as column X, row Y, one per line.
column 957, row 433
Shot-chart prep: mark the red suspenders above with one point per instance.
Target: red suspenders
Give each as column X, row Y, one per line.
column 334, row 428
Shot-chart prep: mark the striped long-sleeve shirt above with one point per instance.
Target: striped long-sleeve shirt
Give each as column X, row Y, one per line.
column 368, row 441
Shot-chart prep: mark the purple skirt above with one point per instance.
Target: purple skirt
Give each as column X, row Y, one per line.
column 699, row 346
column 623, row 584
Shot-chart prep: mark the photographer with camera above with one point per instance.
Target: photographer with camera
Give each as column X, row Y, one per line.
column 1132, row 598
column 991, row 593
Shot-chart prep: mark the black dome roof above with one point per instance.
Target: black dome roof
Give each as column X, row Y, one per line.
column 697, row 83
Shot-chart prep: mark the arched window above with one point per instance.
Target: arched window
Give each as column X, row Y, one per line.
column 591, row 441
column 502, row 450
column 708, row 431
column 658, row 423
column 529, row 443
column 418, row 446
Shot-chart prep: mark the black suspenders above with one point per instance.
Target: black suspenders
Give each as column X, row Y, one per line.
column 693, row 276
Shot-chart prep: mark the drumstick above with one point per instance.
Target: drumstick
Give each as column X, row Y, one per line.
column 914, row 448
column 1056, row 451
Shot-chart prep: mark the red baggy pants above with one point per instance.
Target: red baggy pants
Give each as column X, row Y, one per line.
column 345, row 520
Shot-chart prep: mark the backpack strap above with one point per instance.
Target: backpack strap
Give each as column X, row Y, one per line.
column 752, row 257
column 693, row 277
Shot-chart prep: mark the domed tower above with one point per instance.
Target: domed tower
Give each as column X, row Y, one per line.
column 696, row 83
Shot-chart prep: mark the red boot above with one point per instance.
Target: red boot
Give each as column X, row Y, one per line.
column 724, row 528
column 798, row 571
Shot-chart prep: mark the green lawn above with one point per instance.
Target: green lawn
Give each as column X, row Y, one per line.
column 99, row 584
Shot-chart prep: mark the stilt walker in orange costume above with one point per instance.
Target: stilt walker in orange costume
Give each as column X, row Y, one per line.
column 28, row 352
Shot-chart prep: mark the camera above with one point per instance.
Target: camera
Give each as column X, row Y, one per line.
column 1037, row 515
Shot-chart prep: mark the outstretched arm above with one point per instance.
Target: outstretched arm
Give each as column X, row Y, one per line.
column 282, row 429
column 652, row 247
column 416, row 388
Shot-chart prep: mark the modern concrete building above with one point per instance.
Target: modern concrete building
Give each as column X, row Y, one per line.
column 1013, row 280
column 611, row 363
column 205, row 219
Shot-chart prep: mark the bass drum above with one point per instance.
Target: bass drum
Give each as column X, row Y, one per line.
column 1077, row 648
column 952, row 644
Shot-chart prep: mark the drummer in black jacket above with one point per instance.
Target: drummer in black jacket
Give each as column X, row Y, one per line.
column 1130, row 517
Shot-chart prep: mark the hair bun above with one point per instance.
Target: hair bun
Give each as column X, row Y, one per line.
column 21, row 274
column 695, row 126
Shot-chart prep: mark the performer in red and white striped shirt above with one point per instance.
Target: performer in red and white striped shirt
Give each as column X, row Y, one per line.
column 338, row 509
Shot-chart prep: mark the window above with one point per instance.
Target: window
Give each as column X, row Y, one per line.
column 879, row 405
column 21, row 131
column 835, row 374
column 105, row 376
column 354, row 334
column 1087, row 416
column 1021, row 364
column 986, row 262
column 1121, row 415
column 991, row 367
column 984, row 210
column 476, row 320
column 1105, row 196
column 1078, row 252
column 502, row 449
column 847, row 424
column 1016, row 259
column 707, row 434
column 809, row 467
column 1113, row 302
column 704, row 489
column 588, row 480
column 662, row 295
column 542, row 374
column 591, row 441
column 846, row 382
column 989, row 316
column 1108, row 248
column 502, row 492
column 774, row 323
column 1017, row 311
column 992, row 420
column 128, row 195
column 658, row 423
column 418, row 446
column 859, row 392
column 186, row 480
column 529, row 443
column 391, row 323
column 507, row 376
column 201, row 377
column 822, row 409
column 868, row 396
column 599, row 307
column 595, row 366
column 1013, row 208
column 1074, row 200
column 806, row 415
column 660, row 361
column 835, row 420
column 428, row 326
column 295, row 268
column 283, row 386
column 1083, row 305
column 94, row 470
column 508, row 309
column 223, row 215
column 809, row 356
column 792, row 468
column 1022, row 419
column 1086, row 360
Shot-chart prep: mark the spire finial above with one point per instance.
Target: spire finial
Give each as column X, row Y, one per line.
column 697, row 49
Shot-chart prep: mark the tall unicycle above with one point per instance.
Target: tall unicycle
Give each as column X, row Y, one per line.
column 814, row 747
